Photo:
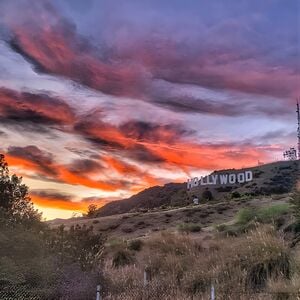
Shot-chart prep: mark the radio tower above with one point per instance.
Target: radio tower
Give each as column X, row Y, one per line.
column 298, row 117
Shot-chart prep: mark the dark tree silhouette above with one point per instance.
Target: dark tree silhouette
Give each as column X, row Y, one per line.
column 92, row 209
column 207, row 194
column 15, row 202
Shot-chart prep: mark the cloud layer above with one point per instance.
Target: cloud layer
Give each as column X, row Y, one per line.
column 110, row 104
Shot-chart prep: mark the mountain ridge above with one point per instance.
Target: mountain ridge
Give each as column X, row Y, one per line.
column 272, row 178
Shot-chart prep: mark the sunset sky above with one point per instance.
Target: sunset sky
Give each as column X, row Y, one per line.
column 100, row 99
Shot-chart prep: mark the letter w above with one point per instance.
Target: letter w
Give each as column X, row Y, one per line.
column 223, row 179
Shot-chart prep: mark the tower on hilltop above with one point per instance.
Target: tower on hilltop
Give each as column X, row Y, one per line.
column 298, row 130
column 293, row 153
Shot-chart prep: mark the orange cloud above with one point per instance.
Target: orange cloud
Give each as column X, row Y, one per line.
column 62, row 174
column 50, row 202
column 130, row 170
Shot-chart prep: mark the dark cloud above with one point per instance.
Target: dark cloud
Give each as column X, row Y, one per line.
column 221, row 63
column 190, row 104
column 42, row 162
column 29, row 108
column 145, row 131
column 52, row 194
column 144, row 155
column 84, row 166
column 128, row 138
column 42, row 159
column 2, row 133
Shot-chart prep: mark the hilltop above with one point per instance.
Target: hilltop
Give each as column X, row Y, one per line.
column 167, row 207
column 274, row 178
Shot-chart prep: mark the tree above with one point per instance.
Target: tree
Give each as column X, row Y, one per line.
column 15, row 202
column 207, row 194
column 92, row 208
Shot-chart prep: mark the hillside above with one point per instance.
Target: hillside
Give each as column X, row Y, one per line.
column 144, row 224
column 247, row 230
column 273, row 178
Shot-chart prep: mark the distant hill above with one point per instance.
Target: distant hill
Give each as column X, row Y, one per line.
column 273, row 178
column 147, row 199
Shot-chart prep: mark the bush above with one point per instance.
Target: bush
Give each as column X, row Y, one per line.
column 122, row 258
column 270, row 214
column 263, row 214
column 190, row 227
column 207, row 195
column 135, row 245
column 245, row 215
column 224, row 189
column 235, row 195
column 181, row 268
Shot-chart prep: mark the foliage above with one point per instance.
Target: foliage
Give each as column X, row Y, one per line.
column 235, row 194
column 37, row 262
column 15, row 202
column 295, row 201
column 263, row 214
column 181, row 267
column 135, row 245
column 189, row 227
column 245, row 215
column 92, row 211
column 77, row 245
column 122, row 258
column 207, row 194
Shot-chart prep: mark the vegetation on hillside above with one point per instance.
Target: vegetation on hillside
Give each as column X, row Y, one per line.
column 37, row 262
column 255, row 257
column 245, row 267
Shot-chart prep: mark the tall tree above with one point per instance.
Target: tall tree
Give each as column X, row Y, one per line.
column 15, row 202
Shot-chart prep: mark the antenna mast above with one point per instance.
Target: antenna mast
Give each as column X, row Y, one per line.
column 298, row 131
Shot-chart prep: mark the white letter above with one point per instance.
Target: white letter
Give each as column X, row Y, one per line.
column 195, row 181
column 201, row 181
column 189, row 183
column 204, row 182
column 223, row 179
column 232, row 178
column 241, row 177
column 214, row 178
column 249, row 175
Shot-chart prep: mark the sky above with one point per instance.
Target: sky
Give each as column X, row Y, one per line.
column 100, row 99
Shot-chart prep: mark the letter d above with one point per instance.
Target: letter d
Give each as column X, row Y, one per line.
column 248, row 176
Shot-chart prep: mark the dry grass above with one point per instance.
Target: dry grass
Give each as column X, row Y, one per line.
column 247, row 266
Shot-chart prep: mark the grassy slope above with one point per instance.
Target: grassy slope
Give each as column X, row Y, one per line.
column 132, row 225
column 207, row 215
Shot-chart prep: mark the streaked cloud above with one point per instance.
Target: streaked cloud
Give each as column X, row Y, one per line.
column 109, row 104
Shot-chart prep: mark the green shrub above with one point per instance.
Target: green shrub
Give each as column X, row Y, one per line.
column 269, row 214
column 189, row 227
column 245, row 215
column 295, row 201
column 262, row 215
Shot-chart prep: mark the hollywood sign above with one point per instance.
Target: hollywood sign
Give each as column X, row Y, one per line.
column 222, row 179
